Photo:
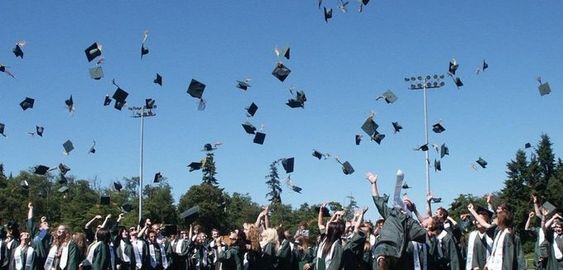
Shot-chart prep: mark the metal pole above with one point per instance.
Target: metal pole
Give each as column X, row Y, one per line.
column 141, row 166
column 427, row 159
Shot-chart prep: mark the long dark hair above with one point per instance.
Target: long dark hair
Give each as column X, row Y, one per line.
column 103, row 235
column 505, row 217
column 333, row 233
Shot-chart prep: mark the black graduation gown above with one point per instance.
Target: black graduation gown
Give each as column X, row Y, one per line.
column 33, row 265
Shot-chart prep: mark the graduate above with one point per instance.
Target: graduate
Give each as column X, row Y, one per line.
column 180, row 249
column 554, row 238
column 200, row 249
column 479, row 243
column 283, row 253
column 140, row 247
column 25, row 257
column 41, row 237
column 231, row 256
column 98, row 254
column 157, row 253
column 443, row 247
column 127, row 258
column 269, row 245
column 64, row 253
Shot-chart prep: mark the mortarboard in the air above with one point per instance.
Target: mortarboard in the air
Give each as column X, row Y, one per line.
column 458, row 82
column 287, row 164
column 119, row 96
column 325, row 211
column 158, row 79
column 484, row 211
column 104, row 200
column 93, row 51
column 144, row 50
column 283, row 52
column 281, row 72
column 396, row 127
column 126, row 207
column 117, row 186
column 405, row 186
column 69, row 104
column 369, row 126
column 96, row 73
column 347, row 168
column 358, row 139
column 527, row 145
column 482, row 162
column 150, row 103
column 190, row 215
column 63, row 189
column 296, row 188
column 157, row 177
column 444, row 150
column 244, row 84
column 2, row 127
column 210, row 147
column 5, row 70
column 24, row 184
column 436, row 200
column 249, row 128
column 317, row 154
column 423, row 147
column 18, row 51
column 194, row 166
column 484, row 66
column 298, row 100
column 389, row 96
column 438, row 128
column 196, row 88
column 68, row 147
column 437, row 165
column 39, row 131
column 327, row 13
column 63, row 169
column 452, row 67
column 549, row 207
column 41, row 170
column 544, row 89
column 378, row 137
column 92, row 149
column 168, row 230
column 27, row 103
column 107, row 100
column 251, row 110
column 259, row 137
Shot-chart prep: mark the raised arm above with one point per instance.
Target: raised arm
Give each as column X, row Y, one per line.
column 536, row 201
column 529, row 221
column 372, row 178
column 259, row 218
column 429, row 205
column 477, row 217
column 490, row 203
column 144, row 229
column 30, row 211
column 551, row 220
column 320, row 217
column 359, row 219
column 411, row 206
column 87, row 225
column 106, row 221
column 266, row 218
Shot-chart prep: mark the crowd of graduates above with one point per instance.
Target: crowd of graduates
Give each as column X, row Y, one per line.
column 403, row 238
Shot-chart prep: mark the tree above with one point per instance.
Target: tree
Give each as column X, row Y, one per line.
column 159, row 205
column 515, row 192
column 555, row 184
column 460, row 203
column 351, row 207
column 210, row 200
column 542, row 166
column 240, row 209
column 209, row 170
column 274, row 185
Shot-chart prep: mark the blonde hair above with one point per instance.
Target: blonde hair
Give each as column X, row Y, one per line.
column 270, row 236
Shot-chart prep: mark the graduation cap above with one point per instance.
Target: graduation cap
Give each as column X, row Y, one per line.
column 388, row 96
column 2, row 127
column 347, row 168
column 41, row 170
column 436, row 199
column 69, row 104
column 298, row 101
column 18, row 51
column 527, row 145
column 287, row 164
column 396, row 127
column 27, row 103
column 92, row 148
column 544, row 89
column 362, row 4
column 549, row 207
column 251, row 110
column 343, row 6
column 104, row 200
column 63, row 189
column 210, row 147
column 96, row 73
column 119, row 96
column 190, row 215
column 126, row 207
column 158, row 79
column 423, row 147
column 444, row 150
column 317, row 154
column 64, row 169
column 438, row 128
column 437, row 165
column 244, row 84
column 484, row 211
column 93, row 51
column 249, row 128
column 62, row 179
column 194, row 166
column 5, row 70
column 327, row 14
column 358, row 139
column 378, row 137
column 369, row 126
column 458, row 82
column 405, row 186
column 325, row 211
column 283, row 52
column 259, row 137
column 107, row 100
column 150, row 103
column 195, row 89
column 482, row 67
column 482, row 162
column 157, row 177
column 68, row 147
column 117, row 186
column 39, row 131
column 144, row 50
column 281, row 72
column 453, row 67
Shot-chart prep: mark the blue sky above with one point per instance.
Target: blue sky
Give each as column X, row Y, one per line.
column 342, row 66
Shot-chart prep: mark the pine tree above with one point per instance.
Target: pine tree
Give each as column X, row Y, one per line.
column 351, row 207
column 274, row 184
column 515, row 192
column 209, row 170
column 543, row 166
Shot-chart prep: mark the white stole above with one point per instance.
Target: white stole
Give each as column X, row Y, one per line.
column 162, row 256
column 494, row 262
column 328, row 258
column 123, row 255
column 51, row 257
column 179, row 245
column 91, row 250
column 556, row 250
column 416, row 256
column 137, row 250
column 1, row 242
column 18, row 257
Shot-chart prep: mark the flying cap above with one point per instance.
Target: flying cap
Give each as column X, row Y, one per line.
column 190, row 215
column 150, row 103
column 298, row 101
column 389, row 96
column 194, row 166
column 69, row 104
column 405, row 186
column 144, row 50
column 196, row 88
column 41, row 170
column 63, row 169
column 104, row 200
column 18, row 51
column 158, row 79
column 68, row 147
column 423, row 147
column 544, row 89
column 126, row 207
column 259, row 137
column 369, row 126
column 244, row 84
column 287, row 164
column 157, row 177
column 27, row 103
column 39, row 131
column 327, row 14
column 107, row 100
column 347, row 168
column 444, row 150
column 438, row 128
column 396, row 127
column 527, row 145
column 92, row 148
column 96, row 73
column 117, row 186
column 283, row 52
column 358, row 139
column 93, row 51
column 281, row 72
column 317, row 154
column 249, row 128
column 2, row 127
column 453, row 67
column 482, row 162
column 120, row 97
column 437, row 165
column 458, row 82
column 5, row 70
column 251, row 110
column 378, row 137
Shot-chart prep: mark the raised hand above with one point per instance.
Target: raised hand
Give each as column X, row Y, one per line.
column 372, row 178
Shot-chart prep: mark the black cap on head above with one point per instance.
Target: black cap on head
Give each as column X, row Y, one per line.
column 157, row 177
column 196, row 88
column 396, row 127
column 281, row 72
column 41, row 170
column 18, row 51
column 68, row 147
column 259, row 138
column 158, row 79
column 107, row 100
column 444, row 150
column 63, row 169
column 317, row 154
column 104, row 200
column 2, row 127
column 249, row 128
column 117, row 186
column 347, row 168
column 358, row 139
column 482, row 162
column 93, row 51
column 27, row 103
column 96, row 73
column 251, row 110
column 39, row 131
column 378, row 137
column 287, row 164
column 194, row 166
column 437, row 165
column 327, row 14
column 484, row 211
column 190, row 215
column 544, row 89
column 438, row 128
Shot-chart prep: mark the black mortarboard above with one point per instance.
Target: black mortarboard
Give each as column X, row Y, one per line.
column 369, row 126
column 482, row 162
column 69, row 104
column 119, row 96
column 347, row 168
column 243, row 84
column 157, row 177
column 208, row 147
column 158, row 79
column 389, row 96
column 18, row 51
column 2, row 127
column 458, row 82
column 39, row 131
column 107, row 100
column 296, row 188
column 127, row 207
column 437, row 165
column 41, row 170
column 327, row 14
column 544, row 89
column 150, row 103
column 249, row 128
column 527, row 145
column 63, row 189
column 549, row 207
column 62, row 180
column 27, row 103
column 453, row 67
column 68, row 147
column 298, row 101
column 396, row 127
column 93, row 51
column 485, row 65
column 438, row 128
column 251, row 110
column 281, row 72
column 96, row 73
column 423, row 147
column 92, row 148
column 317, row 154
column 485, row 211
column 104, row 200
column 378, row 137
column 259, row 138
column 196, row 88
column 63, row 169
column 444, row 150
column 284, row 52
column 287, row 164
column 144, row 50
column 405, row 186
column 325, row 211
column 436, row 200
column 194, row 166
column 358, row 139
column 190, row 215
column 117, row 186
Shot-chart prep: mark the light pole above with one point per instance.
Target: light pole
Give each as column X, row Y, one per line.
column 142, row 112
column 423, row 83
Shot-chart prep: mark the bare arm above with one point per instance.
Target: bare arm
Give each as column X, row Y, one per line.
column 412, row 207
column 30, row 211
column 372, row 178
column 452, row 220
column 477, row 217
column 320, row 217
column 87, row 226
column 359, row 218
column 536, row 201
column 490, row 202
column 429, row 205
column 551, row 220
column 106, row 221
column 529, row 221
column 144, row 229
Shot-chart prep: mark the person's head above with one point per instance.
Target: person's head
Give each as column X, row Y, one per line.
column 80, row 240
column 200, row 238
column 303, row 226
column 61, row 235
column 123, row 232
column 253, row 237
column 333, row 234
column 270, row 236
column 103, row 235
column 366, row 228
column 214, row 233
column 557, row 227
column 61, row 231
column 44, row 225
column 196, row 229
column 156, row 228
column 301, row 243
column 442, row 213
column 281, row 233
column 24, row 238
column 379, row 223
column 433, row 226
column 504, row 216
column 152, row 236
column 183, row 235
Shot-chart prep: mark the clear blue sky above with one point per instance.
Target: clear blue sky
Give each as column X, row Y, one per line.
column 342, row 66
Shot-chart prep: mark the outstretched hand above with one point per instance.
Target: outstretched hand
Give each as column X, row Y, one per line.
column 372, row 178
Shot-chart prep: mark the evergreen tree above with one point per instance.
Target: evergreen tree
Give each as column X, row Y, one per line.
column 555, row 185
column 211, row 202
column 209, row 170
column 543, row 166
column 515, row 192
column 160, row 204
column 351, row 207
column 274, row 184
